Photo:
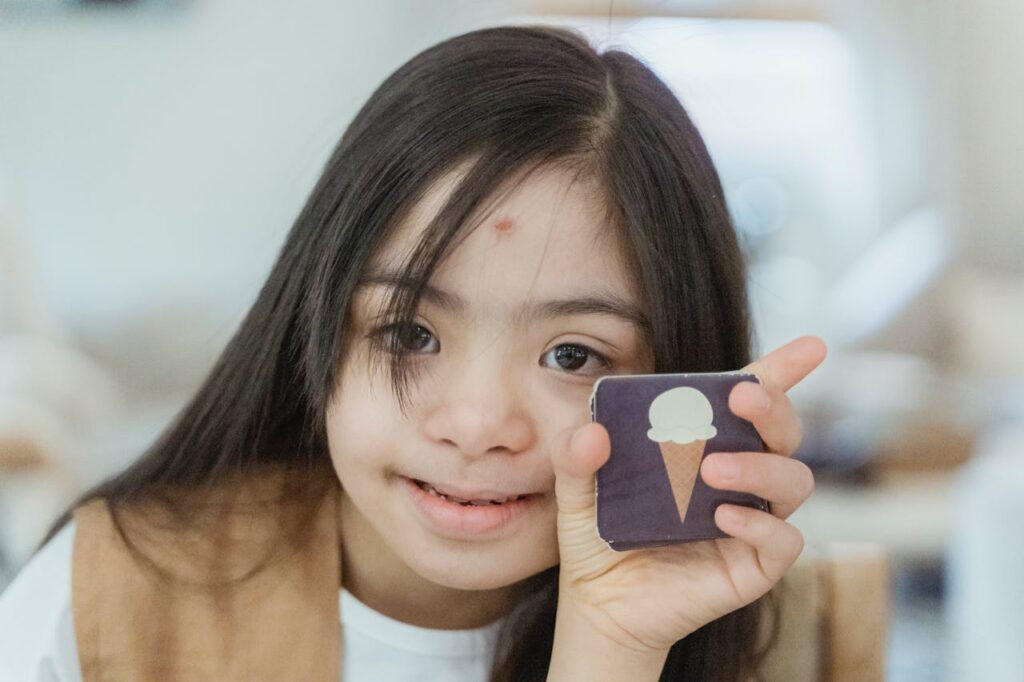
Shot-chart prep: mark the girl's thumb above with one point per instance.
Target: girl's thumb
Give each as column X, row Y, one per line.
column 581, row 452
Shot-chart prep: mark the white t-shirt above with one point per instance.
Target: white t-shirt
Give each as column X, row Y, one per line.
column 37, row 637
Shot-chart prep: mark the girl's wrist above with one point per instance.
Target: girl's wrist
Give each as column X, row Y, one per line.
column 582, row 652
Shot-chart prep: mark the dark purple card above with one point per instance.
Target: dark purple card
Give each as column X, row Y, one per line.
column 649, row 492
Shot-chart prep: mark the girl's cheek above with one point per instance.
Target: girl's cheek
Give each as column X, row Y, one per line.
column 561, row 408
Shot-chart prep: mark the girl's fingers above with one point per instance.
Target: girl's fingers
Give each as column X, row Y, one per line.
column 785, row 482
column 766, row 405
column 771, row 413
column 579, row 453
column 777, row 543
column 786, row 366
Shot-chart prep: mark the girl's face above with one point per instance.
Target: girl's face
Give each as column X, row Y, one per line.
column 522, row 318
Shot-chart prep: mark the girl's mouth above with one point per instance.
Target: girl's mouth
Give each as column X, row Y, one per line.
column 429, row 488
column 462, row 517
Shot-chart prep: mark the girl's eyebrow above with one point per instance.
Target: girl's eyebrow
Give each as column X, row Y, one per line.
column 599, row 303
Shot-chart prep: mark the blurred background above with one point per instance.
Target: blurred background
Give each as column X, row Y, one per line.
column 154, row 153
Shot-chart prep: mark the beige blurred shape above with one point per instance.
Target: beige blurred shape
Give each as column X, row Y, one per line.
column 53, row 399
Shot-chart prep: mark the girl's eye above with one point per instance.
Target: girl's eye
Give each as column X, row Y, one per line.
column 573, row 356
column 405, row 338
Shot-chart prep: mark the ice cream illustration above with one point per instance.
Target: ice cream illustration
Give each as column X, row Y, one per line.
column 681, row 423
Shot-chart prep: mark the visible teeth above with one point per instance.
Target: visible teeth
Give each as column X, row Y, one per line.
column 458, row 500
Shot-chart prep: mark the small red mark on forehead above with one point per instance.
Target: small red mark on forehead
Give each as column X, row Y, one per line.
column 504, row 226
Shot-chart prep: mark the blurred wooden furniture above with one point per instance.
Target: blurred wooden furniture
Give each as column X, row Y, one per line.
column 19, row 454
column 834, row 616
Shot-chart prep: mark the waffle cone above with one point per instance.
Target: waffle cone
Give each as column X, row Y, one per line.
column 682, row 462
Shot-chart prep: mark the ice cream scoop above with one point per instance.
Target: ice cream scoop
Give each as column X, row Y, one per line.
column 683, row 415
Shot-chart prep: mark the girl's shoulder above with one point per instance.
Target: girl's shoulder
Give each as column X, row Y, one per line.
column 37, row 640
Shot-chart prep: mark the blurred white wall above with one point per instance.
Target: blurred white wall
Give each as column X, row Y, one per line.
column 986, row 41
column 164, row 153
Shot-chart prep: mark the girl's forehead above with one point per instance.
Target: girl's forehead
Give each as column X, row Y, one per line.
column 550, row 223
column 543, row 242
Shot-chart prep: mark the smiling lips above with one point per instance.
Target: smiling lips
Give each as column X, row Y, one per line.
column 476, row 498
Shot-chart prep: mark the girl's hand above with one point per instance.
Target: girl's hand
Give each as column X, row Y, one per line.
column 645, row 600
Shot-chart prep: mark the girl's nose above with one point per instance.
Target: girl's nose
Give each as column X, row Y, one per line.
column 480, row 411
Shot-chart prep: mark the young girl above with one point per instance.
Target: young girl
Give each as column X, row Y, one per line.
column 403, row 414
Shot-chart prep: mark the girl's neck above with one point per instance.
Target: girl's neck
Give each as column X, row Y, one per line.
column 382, row 581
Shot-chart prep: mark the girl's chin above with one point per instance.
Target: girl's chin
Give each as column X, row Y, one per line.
column 487, row 575
column 468, row 583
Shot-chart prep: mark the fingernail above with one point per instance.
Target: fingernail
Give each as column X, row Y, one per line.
column 733, row 516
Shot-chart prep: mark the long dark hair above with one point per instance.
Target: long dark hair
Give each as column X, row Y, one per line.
column 500, row 102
